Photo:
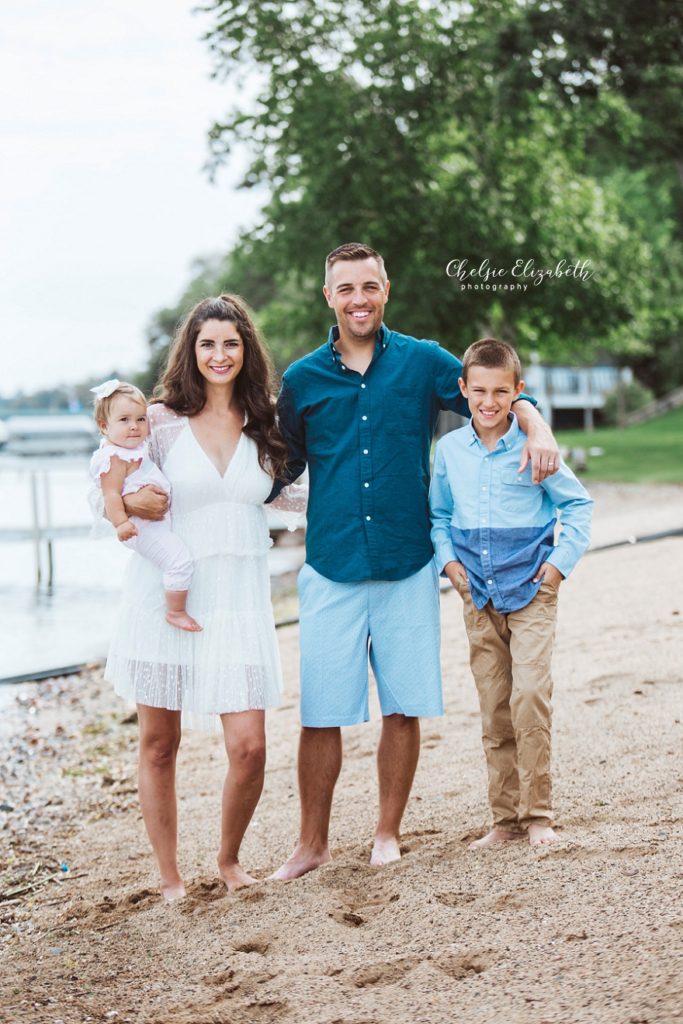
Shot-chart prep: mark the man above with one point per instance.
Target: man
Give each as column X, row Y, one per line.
column 361, row 411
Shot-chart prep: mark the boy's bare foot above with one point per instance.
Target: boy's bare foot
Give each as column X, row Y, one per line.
column 542, row 835
column 496, row 835
column 301, row 862
column 385, row 850
column 235, row 877
column 183, row 621
column 172, row 890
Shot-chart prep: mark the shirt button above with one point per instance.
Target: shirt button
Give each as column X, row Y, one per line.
column 362, row 385
column 365, row 451
column 363, row 417
column 343, row 367
column 485, row 551
column 368, row 518
column 483, row 488
column 366, row 484
column 490, row 582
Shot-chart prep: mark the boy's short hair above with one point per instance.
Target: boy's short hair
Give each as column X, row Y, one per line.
column 494, row 355
column 353, row 251
column 103, row 405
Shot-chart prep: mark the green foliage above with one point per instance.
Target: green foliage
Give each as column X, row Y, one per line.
column 509, row 129
column 625, row 398
column 646, row 453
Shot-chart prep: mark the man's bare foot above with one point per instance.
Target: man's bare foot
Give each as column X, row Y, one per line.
column 301, row 862
column 183, row 621
column 496, row 835
column 385, row 850
column 172, row 891
column 542, row 835
column 235, row 877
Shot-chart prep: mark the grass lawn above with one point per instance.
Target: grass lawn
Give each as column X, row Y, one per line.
column 647, row 453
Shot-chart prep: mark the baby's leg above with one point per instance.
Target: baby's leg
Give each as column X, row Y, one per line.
column 165, row 549
column 176, row 613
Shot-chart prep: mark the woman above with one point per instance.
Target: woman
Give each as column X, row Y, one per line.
column 213, row 434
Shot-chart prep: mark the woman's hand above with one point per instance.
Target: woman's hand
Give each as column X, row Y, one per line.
column 150, row 502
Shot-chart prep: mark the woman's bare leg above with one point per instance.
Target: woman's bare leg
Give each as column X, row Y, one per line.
column 159, row 742
column 245, row 743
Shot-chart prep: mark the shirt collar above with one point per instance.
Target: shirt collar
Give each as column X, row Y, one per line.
column 503, row 443
column 381, row 341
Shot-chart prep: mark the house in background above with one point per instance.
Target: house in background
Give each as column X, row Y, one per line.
column 568, row 396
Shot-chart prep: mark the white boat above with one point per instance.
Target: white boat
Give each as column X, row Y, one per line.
column 50, row 434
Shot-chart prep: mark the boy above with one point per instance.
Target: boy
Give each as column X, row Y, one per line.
column 493, row 534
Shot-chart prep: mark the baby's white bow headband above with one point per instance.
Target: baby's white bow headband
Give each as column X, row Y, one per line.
column 106, row 389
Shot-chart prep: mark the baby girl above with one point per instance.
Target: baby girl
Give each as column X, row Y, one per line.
column 122, row 465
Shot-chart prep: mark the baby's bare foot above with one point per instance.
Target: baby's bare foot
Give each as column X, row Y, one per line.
column 496, row 835
column 385, row 850
column 183, row 621
column 542, row 835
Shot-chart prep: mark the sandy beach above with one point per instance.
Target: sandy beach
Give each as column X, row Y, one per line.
column 587, row 932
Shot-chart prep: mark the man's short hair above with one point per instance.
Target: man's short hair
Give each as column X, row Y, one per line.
column 353, row 251
column 494, row 355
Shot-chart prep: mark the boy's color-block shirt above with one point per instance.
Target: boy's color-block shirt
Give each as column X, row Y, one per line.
column 497, row 522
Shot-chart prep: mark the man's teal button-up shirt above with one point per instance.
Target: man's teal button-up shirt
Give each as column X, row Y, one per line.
column 366, row 439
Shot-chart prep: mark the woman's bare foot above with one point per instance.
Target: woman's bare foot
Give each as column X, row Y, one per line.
column 172, row 890
column 235, row 877
column 542, row 835
column 496, row 835
column 385, row 850
column 301, row 862
column 183, row 621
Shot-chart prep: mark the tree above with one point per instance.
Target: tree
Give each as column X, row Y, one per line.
column 447, row 131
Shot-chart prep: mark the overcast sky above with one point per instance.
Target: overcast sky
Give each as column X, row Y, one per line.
column 103, row 201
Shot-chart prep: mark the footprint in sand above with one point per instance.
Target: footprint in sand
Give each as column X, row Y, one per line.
column 385, row 973
column 254, row 944
column 109, row 911
column 455, row 899
column 460, row 967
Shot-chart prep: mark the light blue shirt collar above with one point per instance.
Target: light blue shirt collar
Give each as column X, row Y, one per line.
column 504, row 443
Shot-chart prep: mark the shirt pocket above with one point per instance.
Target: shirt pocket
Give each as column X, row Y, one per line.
column 402, row 411
column 518, row 492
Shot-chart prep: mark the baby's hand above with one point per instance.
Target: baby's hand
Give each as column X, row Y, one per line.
column 126, row 530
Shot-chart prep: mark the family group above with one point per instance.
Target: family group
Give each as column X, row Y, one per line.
column 186, row 480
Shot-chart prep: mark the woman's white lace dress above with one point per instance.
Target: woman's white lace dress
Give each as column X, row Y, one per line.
column 234, row 664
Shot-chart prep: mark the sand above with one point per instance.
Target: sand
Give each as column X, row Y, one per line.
column 589, row 931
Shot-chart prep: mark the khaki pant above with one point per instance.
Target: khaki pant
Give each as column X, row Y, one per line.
column 510, row 659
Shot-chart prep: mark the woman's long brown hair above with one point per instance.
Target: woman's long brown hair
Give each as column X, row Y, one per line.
column 182, row 385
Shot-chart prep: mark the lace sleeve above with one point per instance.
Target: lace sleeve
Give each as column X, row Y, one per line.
column 164, row 429
column 289, row 508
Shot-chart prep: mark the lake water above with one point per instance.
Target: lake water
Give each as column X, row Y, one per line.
column 40, row 631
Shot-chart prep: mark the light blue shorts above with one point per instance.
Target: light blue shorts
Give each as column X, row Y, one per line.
column 395, row 623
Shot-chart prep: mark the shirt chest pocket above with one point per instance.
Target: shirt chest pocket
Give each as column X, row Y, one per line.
column 517, row 490
column 401, row 411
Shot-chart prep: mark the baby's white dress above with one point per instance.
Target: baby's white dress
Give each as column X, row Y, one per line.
column 234, row 663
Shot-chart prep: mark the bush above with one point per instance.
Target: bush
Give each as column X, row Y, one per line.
column 635, row 396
